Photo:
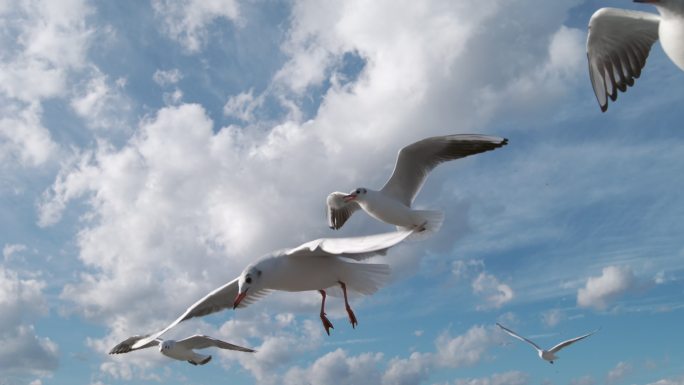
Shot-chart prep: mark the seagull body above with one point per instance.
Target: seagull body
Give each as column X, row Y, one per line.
column 546, row 355
column 182, row 350
column 620, row 40
column 315, row 265
column 392, row 203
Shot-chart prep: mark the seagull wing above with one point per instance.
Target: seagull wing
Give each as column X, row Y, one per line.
column 357, row 248
column 416, row 160
column 201, row 342
column 521, row 338
column 219, row 299
column 127, row 345
column 618, row 44
column 339, row 210
column 569, row 342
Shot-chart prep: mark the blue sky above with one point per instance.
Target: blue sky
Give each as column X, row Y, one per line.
column 150, row 150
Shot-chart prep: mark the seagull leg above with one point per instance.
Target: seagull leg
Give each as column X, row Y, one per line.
column 350, row 312
column 326, row 322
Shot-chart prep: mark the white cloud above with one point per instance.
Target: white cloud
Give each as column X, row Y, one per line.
column 11, row 249
column 337, row 367
column 23, row 139
column 23, row 350
column 669, row 381
column 100, row 104
column 599, row 292
column 506, row 378
column 243, row 105
column 495, row 293
column 167, row 77
column 187, row 21
column 466, row 268
column 553, row 317
column 450, row 352
column 619, row 372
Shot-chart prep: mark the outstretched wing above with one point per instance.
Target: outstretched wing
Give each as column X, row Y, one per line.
column 219, row 299
column 339, row 210
column 202, row 341
column 357, row 248
column 618, row 44
column 521, row 338
column 569, row 342
column 415, row 161
column 127, row 345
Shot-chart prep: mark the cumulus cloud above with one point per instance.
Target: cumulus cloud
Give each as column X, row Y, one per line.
column 506, row 378
column 553, row 317
column 495, row 293
column 619, row 372
column 599, row 292
column 669, row 381
column 182, row 189
column 100, row 103
column 11, row 249
column 23, row 350
column 187, row 21
column 167, row 77
column 450, row 352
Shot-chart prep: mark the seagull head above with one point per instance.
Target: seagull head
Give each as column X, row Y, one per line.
column 166, row 345
column 357, row 194
column 249, row 279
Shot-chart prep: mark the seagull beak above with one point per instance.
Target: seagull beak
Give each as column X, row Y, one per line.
column 349, row 198
column 239, row 299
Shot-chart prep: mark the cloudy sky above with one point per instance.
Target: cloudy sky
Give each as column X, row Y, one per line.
column 149, row 150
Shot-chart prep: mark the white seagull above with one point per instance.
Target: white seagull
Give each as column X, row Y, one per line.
column 620, row 40
column 548, row 355
column 182, row 350
column 392, row 203
column 315, row 265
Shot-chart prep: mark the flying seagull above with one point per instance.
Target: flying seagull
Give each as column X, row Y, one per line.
column 392, row 203
column 182, row 350
column 620, row 40
column 547, row 355
column 315, row 265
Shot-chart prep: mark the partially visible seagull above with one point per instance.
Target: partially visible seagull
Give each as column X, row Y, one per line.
column 392, row 203
column 182, row 350
column 548, row 355
column 315, row 265
column 620, row 40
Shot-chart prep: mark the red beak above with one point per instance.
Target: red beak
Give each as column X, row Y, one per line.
column 348, row 198
column 239, row 299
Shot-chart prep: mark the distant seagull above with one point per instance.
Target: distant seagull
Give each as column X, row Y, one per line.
column 548, row 355
column 392, row 203
column 182, row 350
column 620, row 40
column 315, row 265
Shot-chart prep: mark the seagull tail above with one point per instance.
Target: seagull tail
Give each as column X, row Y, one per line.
column 433, row 222
column 364, row 278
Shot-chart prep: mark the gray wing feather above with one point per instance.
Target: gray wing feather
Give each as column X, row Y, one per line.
column 357, row 248
column 416, row 160
column 569, row 342
column 339, row 210
column 127, row 345
column 515, row 335
column 202, row 341
column 217, row 300
column 618, row 44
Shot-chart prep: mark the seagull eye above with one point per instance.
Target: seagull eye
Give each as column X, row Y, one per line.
column 358, row 191
column 248, row 280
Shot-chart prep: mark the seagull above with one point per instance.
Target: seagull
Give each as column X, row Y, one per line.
column 315, row 265
column 182, row 350
column 548, row 355
column 392, row 203
column 620, row 40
